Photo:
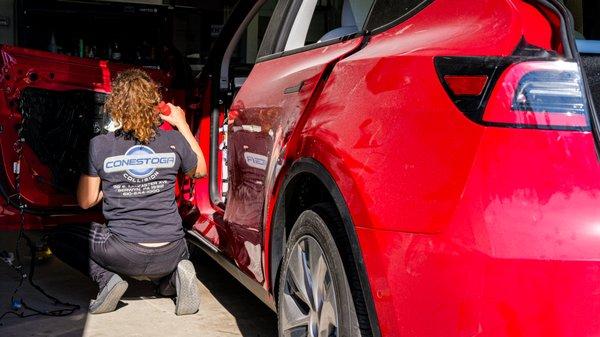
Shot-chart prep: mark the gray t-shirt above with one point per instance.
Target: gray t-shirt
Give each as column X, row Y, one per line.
column 138, row 182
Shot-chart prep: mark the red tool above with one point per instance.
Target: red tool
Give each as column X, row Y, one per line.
column 164, row 108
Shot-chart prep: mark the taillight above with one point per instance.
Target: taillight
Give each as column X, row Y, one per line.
column 539, row 94
column 517, row 92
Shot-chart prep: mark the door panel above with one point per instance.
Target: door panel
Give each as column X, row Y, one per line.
column 55, row 103
column 34, row 84
column 261, row 120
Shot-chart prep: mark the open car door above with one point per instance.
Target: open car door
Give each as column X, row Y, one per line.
column 54, row 104
column 251, row 130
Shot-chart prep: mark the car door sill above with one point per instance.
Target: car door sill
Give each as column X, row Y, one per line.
column 217, row 255
column 204, row 241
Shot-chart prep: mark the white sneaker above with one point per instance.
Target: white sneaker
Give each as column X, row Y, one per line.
column 186, row 283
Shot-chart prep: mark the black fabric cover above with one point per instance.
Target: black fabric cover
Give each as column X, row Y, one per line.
column 57, row 126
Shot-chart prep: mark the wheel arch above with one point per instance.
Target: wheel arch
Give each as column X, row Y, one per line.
column 306, row 176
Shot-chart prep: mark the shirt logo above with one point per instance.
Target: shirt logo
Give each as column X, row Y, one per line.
column 139, row 161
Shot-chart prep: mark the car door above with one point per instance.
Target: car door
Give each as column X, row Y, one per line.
column 274, row 97
column 54, row 104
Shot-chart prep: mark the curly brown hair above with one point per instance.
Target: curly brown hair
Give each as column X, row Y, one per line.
column 132, row 104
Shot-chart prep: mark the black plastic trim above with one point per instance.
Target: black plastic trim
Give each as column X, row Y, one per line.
column 397, row 21
column 284, row 32
column 566, row 24
column 309, row 47
column 492, row 67
column 271, row 40
column 536, row 127
column 286, row 25
column 473, row 106
column 309, row 165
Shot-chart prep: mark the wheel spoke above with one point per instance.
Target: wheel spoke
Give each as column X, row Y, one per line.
column 299, row 274
column 308, row 251
column 308, row 302
column 319, row 271
column 294, row 320
column 328, row 322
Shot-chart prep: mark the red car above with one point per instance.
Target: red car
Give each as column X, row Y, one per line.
column 382, row 168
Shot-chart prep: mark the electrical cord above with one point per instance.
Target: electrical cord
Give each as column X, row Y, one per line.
column 18, row 306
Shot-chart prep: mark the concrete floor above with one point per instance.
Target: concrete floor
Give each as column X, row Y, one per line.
column 227, row 308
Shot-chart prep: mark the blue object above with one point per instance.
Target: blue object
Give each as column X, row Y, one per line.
column 16, row 304
column 588, row 46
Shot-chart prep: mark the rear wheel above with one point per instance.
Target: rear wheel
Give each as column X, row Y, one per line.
column 314, row 295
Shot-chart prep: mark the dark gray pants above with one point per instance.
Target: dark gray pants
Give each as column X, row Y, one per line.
column 100, row 254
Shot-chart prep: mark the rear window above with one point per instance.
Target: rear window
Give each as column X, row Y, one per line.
column 386, row 11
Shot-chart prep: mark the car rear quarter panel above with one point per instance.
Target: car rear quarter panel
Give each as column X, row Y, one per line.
column 464, row 230
column 404, row 149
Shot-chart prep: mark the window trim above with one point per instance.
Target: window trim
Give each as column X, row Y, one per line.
column 269, row 45
column 233, row 42
column 309, row 47
column 414, row 11
column 286, row 26
column 300, row 26
column 292, row 11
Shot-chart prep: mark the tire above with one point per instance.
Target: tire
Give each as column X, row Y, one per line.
column 312, row 257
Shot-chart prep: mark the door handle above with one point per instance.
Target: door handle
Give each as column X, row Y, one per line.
column 293, row 89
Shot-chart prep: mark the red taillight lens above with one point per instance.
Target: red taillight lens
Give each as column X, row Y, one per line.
column 462, row 85
column 539, row 94
column 516, row 92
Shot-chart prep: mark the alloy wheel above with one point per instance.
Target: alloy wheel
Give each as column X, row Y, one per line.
column 309, row 307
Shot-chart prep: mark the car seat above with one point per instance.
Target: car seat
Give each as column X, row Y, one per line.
column 348, row 24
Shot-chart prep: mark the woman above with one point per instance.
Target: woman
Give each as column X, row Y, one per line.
column 132, row 171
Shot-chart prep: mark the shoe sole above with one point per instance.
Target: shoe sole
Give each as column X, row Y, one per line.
column 188, row 299
column 112, row 298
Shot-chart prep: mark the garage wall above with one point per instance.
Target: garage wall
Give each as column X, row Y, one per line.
column 7, row 33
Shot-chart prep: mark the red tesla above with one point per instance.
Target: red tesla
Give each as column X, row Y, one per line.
column 377, row 167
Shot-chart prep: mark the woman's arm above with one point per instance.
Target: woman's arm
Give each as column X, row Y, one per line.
column 88, row 191
column 177, row 119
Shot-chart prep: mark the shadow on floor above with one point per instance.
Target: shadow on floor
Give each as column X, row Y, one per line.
column 58, row 280
column 253, row 317
column 227, row 309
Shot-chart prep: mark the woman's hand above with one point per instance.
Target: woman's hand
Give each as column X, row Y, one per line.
column 176, row 118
